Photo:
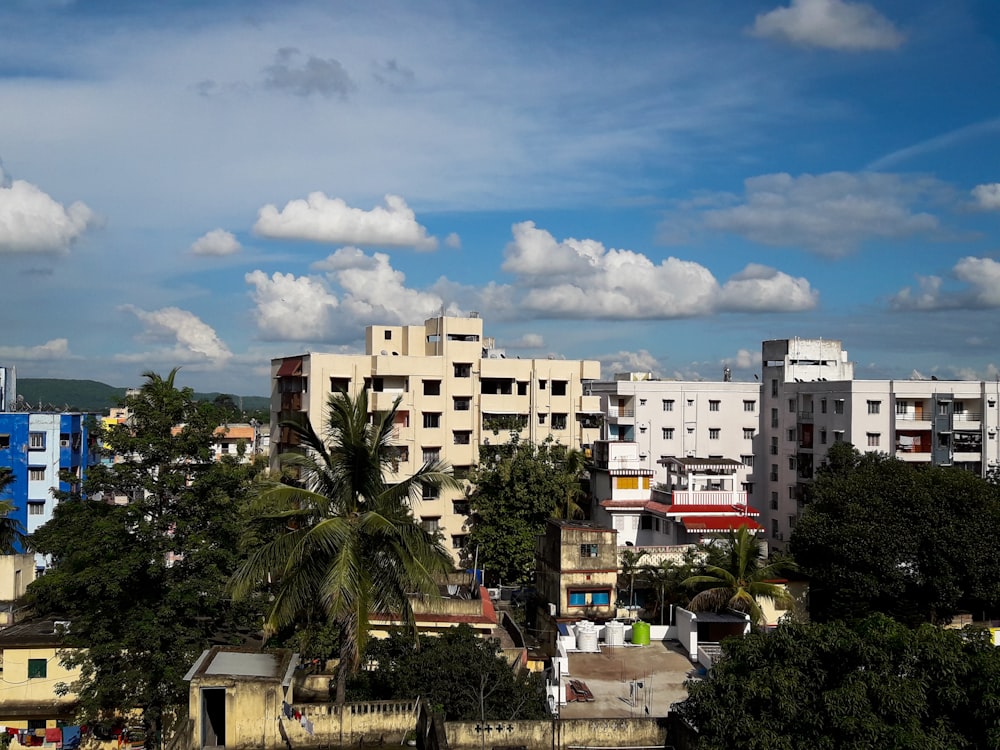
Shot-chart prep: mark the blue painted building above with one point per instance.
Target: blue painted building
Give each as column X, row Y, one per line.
column 46, row 452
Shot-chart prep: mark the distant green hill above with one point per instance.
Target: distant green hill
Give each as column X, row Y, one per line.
column 92, row 396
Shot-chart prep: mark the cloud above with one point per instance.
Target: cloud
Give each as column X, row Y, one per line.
column 216, row 242
column 453, row 241
column 390, row 73
column 375, row 291
column 582, row 279
column 831, row 24
column 193, row 339
column 323, row 219
column 527, row 341
column 987, row 196
column 314, row 76
column 745, row 359
column 291, row 307
column 830, row 213
column 31, row 221
column 624, row 361
column 56, row 349
column 981, row 280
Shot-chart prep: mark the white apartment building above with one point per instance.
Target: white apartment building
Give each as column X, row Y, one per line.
column 810, row 400
column 683, row 419
column 458, row 392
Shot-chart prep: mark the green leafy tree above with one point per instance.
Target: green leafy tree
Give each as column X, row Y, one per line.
column 12, row 537
column 877, row 684
column 342, row 537
column 630, row 565
column 140, row 567
column 571, row 506
column 914, row 542
column 517, row 487
column 742, row 581
column 666, row 579
column 466, row 677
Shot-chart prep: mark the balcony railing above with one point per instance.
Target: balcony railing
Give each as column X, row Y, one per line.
column 968, row 416
column 620, row 411
column 658, row 554
column 806, row 416
column 706, row 497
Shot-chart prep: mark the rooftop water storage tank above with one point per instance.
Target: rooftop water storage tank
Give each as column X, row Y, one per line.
column 614, row 633
column 586, row 637
column 640, row 633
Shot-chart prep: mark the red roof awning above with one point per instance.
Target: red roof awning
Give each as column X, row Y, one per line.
column 700, row 509
column 719, row 523
column 290, row 367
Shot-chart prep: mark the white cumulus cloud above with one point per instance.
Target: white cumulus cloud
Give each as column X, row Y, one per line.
column 216, row 242
column 830, row 213
column 192, row 338
column 831, row 24
column 979, row 280
column 987, row 196
column 297, row 308
column 31, row 221
column 323, row 219
column 583, row 279
column 527, row 341
column 625, row 361
column 54, row 349
column 745, row 359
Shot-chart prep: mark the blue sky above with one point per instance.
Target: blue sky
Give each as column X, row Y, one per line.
column 659, row 186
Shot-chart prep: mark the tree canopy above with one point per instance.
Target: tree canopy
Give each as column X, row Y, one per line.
column 877, row 684
column 517, row 486
column 342, row 538
column 883, row 535
column 141, row 565
column 458, row 673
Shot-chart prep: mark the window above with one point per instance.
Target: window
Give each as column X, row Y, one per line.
column 822, row 406
column 838, row 406
column 791, row 406
column 431, row 455
column 791, row 522
column 668, row 433
column 36, row 440
column 792, row 435
column 38, row 668
column 774, row 417
column 36, row 507
column 901, row 407
column 432, row 419
column 542, row 384
column 942, row 411
column 646, row 523
column 462, row 437
column 462, row 404
column 64, row 439
column 522, row 387
column 690, row 430
column 626, row 483
column 558, row 421
column 542, row 417
column 377, row 384
column 559, row 389
column 774, row 446
column 668, row 404
column 791, row 463
column 838, row 436
column 713, row 433
column 774, row 501
column 774, row 387
column 822, row 437
column 713, row 405
column 388, row 335
column 460, row 507
column 433, row 387
column 642, row 401
column 589, row 598
column 458, row 541
column 749, row 406
column 874, row 438
column 747, row 459
column 774, row 527
column 36, row 473
column 874, row 407
column 690, row 402
column 774, row 472
column 588, row 550
column 748, row 487
column 4, row 441
column 748, row 433
column 431, row 524
column 463, row 370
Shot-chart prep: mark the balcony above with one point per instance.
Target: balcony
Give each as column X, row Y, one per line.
column 589, row 405
column 725, row 498
column 621, row 412
column 806, row 416
column 383, row 400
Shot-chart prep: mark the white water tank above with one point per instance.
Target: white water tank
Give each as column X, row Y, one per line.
column 614, row 633
column 586, row 637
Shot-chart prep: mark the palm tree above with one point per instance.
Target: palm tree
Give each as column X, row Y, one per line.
column 574, row 463
column 742, row 582
column 630, row 560
column 667, row 581
column 345, row 537
column 12, row 536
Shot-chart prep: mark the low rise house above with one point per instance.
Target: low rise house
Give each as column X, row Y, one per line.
column 31, row 674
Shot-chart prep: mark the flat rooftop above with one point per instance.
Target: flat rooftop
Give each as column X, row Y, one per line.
column 613, row 676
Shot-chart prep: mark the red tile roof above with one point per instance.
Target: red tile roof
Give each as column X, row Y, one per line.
column 719, row 523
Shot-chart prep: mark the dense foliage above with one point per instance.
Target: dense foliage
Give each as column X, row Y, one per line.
column 340, row 542
column 140, row 567
column 517, row 486
column 12, row 537
column 877, row 684
column 915, row 542
column 458, row 673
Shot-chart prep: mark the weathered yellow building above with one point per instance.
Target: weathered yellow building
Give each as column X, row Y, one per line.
column 577, row 569
column 30, row 675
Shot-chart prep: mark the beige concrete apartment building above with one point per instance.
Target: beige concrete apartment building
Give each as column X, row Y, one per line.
column 457, row 391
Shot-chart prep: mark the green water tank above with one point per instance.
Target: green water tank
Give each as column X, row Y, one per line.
column 640, row 633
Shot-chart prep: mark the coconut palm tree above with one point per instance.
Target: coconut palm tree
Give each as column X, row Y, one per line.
column 630, row 562
column 12, row 536
column 574, row 464
column 344, row 537
column 667, row 581
column 742, row 582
